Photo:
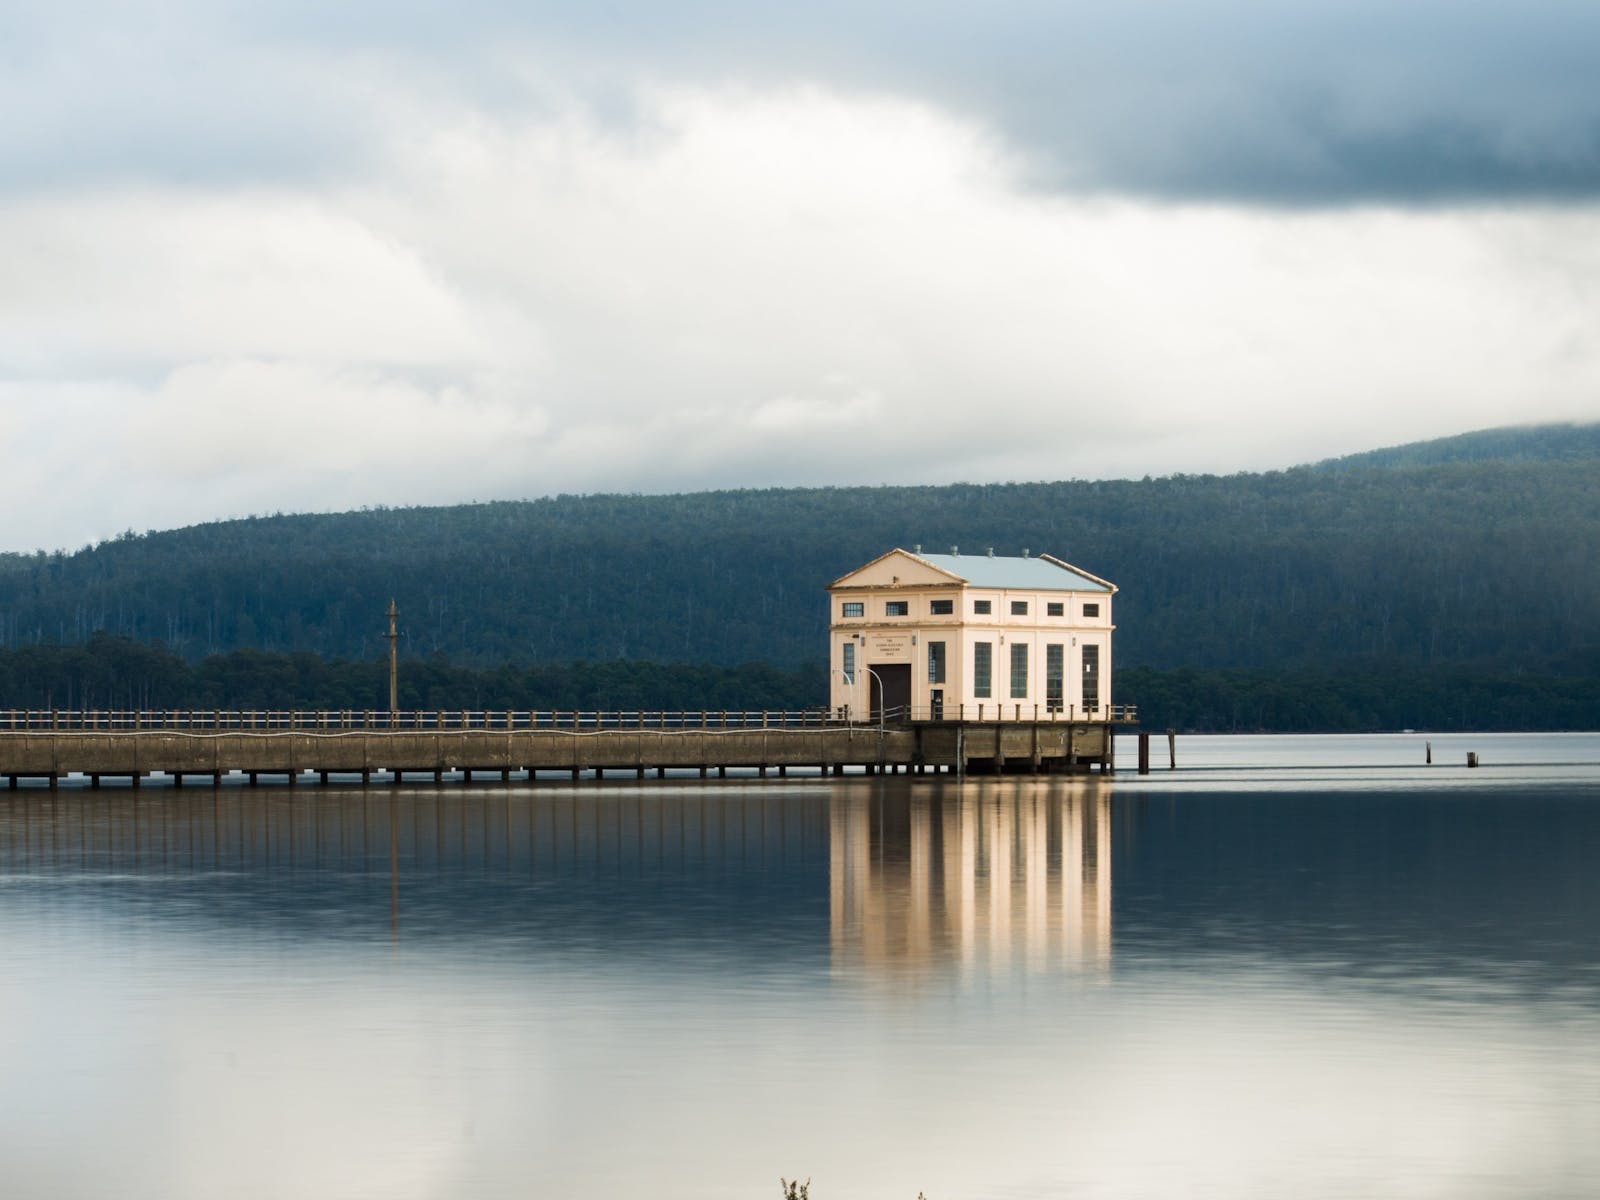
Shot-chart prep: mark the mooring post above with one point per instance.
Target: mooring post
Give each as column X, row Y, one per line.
column 1429, row 759
column 1172, row 750
column 1144, row 753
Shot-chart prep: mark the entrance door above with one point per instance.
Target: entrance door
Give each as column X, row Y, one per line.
column 891, row 690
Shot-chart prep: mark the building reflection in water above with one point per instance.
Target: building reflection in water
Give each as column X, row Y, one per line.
column 996, row 875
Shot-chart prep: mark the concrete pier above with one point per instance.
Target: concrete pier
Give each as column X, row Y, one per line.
column 915, row 748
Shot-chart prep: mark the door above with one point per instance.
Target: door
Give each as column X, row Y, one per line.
column 891, row 690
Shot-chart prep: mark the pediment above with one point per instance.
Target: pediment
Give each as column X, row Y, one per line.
column 898, row 568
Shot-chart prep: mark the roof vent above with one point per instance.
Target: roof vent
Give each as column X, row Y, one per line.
column 917, row 549
column 955, row 551
column 1024, row 552
column 991, row 551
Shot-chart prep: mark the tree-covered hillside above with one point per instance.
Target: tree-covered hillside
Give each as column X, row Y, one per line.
column 1563, row 442
column 1491, row 562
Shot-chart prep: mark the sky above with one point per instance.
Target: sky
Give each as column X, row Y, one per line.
column 307, row 257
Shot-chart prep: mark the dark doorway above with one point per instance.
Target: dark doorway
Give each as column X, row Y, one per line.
column 891, row 689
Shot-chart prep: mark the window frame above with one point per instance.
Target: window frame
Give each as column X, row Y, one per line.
column 1019, row 670
column 983, row 670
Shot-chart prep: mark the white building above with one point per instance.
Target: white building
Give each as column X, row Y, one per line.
column 970, row 637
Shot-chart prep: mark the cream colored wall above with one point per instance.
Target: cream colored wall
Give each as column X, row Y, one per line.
column 883, row 639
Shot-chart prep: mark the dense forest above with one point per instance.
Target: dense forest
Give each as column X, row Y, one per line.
column 1472, row 560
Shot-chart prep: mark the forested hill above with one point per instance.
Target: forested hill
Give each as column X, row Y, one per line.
column 1564, row 442
column 1493, row 561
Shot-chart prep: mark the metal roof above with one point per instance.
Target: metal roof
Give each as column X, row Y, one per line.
column 1023, row 574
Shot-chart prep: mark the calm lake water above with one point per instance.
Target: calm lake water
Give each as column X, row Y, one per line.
column 1294, row 967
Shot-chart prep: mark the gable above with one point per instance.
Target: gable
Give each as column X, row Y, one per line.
column 898, row 568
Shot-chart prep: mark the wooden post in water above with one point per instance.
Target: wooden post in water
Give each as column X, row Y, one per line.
column 1172, row 750
column 394, row 681
column 1144, row 753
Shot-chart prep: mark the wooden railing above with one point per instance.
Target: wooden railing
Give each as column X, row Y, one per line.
column 410, row 721
column 32, row 720
column 989, row 711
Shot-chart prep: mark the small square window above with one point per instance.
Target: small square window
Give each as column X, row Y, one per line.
column 1055, row 608
column 897, row 608
column 855, row 608
column 1091, row 610
column 982, row 608
column 1019, row 608
column 941, row 608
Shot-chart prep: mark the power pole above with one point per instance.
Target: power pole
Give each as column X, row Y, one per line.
column 394, row 687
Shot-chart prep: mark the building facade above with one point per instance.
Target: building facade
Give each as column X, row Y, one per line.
column 970, row 637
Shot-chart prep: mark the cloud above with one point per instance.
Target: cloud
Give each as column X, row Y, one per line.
column 1320, row 102
column 747, row 287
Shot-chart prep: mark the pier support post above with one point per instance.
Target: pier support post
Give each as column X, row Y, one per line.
column 1144, row 753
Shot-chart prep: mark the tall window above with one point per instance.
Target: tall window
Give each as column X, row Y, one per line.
column 982, row 669
column 855, row 608
column 935, row 662
column 1019, row 670
column 849, row 665
column 1055, row 673
column 897, row 608
column 1091, row 679
column 941, row 608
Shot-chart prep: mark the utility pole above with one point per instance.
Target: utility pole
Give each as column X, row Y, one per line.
column 394, row 689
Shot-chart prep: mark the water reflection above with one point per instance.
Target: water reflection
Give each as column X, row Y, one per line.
column 998, row 875
column 683, row 991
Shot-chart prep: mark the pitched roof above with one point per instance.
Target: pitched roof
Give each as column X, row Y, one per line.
column 1043, row 574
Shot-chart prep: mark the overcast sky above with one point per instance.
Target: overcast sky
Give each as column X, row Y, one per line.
column 299, row 256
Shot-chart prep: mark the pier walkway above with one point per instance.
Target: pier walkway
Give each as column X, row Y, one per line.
column 53, row 745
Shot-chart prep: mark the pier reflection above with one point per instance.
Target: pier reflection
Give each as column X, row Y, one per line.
column 996, row 875
column 733, row 871
column 877, row 878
